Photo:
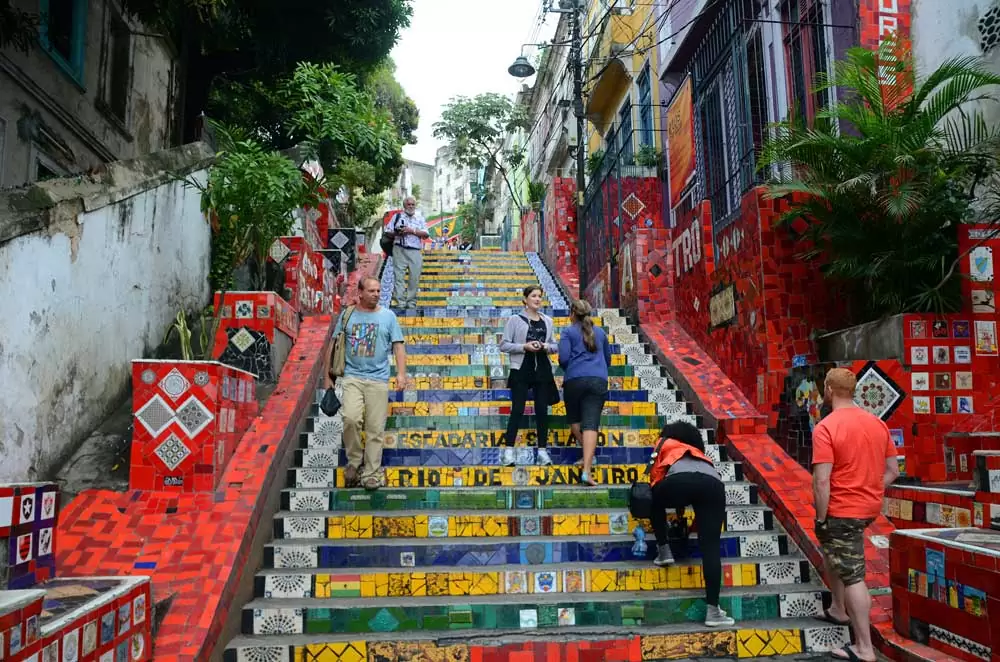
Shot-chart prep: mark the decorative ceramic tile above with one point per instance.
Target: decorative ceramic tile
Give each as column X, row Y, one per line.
column 759, row 546
column 172, row 451
column 287, row 585
column 277, row 621
column 308, row 501
column 955, row 641
column 825, row 639
column 545, row 582
column 876, row 392
column 174, row 384
column 744, row 520
column 800, row 605
column 529, row 618
column 567, row 616
column 304, row 527
column 295, row 557
column 193, row 416
column 515, row 582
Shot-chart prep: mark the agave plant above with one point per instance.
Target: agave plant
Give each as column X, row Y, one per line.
column 882, row 176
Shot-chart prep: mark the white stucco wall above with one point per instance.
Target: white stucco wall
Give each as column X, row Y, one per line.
column 78, row 301
column 943, row 30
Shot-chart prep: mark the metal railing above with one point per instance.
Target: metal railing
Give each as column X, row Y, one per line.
column 602, row 223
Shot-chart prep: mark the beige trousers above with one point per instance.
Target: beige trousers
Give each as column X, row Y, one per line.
column 366, row 405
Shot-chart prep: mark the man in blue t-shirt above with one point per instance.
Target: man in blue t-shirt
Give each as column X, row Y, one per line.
column 371, row 331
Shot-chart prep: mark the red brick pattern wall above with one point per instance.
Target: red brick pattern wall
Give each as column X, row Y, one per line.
column 560, row 248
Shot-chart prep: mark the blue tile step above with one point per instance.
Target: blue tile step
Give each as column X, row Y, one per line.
column 538, row 579
column 528, row 499
column 493, row 394
column 437, row 552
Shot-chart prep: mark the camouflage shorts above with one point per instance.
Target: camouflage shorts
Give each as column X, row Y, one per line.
column 843, row 543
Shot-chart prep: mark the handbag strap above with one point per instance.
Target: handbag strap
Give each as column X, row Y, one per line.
column 345, row 317
column 656, row 454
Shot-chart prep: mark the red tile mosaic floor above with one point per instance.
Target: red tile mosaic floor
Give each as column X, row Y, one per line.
column 195, row 546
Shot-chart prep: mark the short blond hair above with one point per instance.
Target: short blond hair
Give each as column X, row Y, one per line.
column 841, row 382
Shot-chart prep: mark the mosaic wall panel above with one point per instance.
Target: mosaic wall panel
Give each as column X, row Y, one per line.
column 20, row 614
column 189, row 416
column 310, row 280
column 247, row 327
column 344, row 240
column 28, row 515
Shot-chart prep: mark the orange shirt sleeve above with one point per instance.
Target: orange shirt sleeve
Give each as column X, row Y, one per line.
column 822, row 445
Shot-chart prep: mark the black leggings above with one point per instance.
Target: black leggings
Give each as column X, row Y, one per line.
column 708, row 497
column 518, row 396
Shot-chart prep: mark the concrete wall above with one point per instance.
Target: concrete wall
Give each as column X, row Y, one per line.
column 48, row 116
column 92, row 271
column 943, row 30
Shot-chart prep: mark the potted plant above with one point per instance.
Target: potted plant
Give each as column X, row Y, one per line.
column 536, row 194
column 594, row 161
column 648, row 157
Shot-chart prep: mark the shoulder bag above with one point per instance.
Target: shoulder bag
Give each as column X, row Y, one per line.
column 389, row 240
column 338, row 361
column 640, row 496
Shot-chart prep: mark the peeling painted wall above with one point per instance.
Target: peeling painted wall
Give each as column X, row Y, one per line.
column 957, row 28
column 81, row 299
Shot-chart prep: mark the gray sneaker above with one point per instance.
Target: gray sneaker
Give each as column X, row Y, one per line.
column 663, row 557
column 543, row 457
column 717, row 617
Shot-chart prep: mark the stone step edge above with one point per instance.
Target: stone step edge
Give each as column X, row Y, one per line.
column 491, row 638
column 538, row 488
column 791, row 557
column 540, row 599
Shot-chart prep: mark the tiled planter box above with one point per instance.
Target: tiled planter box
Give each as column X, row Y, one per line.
column 27, row 534
column 256, row 333
column 189, row 416
column 944, row 587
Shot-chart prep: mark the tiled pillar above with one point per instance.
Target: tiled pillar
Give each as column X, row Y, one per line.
column 189, row 416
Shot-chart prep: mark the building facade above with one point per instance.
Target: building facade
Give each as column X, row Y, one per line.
column 452, row 182
column 415, row 179
column 97, row 87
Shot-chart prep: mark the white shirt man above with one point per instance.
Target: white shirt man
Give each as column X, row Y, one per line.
column 409, row 230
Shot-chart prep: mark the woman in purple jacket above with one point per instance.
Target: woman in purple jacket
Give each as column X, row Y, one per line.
column 584, row 355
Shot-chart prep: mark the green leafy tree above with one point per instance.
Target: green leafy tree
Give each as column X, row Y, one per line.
column 881, row 179
column 475, row 128
column 237, row 50
column 390, row 96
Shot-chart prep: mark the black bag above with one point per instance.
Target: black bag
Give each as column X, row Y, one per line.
column 640, row 495
column 330, row 404
column 389, row 240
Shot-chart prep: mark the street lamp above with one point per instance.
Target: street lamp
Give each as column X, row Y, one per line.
column 521, row 68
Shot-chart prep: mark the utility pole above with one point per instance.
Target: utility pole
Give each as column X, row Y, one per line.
column 576, row 56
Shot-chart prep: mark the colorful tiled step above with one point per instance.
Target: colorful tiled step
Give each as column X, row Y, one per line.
column 558, row 437
column 475, row 524
column 543, row 579
column 501, row 498
column 441, row 613
column 501, row 550
column 600, row 643
column 493, row 476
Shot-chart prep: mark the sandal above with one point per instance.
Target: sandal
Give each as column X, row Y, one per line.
column 830, row 619
column 372, row 483
column 585, row 479
column 847, row 653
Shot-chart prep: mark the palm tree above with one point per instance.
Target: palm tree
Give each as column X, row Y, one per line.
column 883, row 176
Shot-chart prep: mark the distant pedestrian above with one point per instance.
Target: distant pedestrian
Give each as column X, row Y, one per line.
column 584, row 355
column 854, row 460
column 682, row 476
column 408, row 230
column 528, row 339
column 371, row 332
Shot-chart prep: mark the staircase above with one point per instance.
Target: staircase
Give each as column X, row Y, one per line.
column 460, row 558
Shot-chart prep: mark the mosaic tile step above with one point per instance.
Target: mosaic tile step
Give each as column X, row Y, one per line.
column 613, row 437
column 491, row 336
column 495, row 358
column 591, row 644
column 486, row 476
column 472, row 348
column 469, row 311
column 495, row 407
column 464, row 418
column 472, row 524
column 526, row 498
column 471, row 395
column 545, row 579
column 495, row 323
column 429, row 553
column 494, row 457
column 437, row 613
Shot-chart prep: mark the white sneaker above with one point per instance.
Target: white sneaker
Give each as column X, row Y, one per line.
column 543, row 457
column 717, row 617
column 507, row 456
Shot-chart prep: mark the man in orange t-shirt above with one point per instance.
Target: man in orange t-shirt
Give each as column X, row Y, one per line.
column 854, row 460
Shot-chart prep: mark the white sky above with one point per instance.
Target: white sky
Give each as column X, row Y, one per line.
column 461, row 47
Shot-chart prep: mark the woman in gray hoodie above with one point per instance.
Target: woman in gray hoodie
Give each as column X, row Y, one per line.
column 528, row 338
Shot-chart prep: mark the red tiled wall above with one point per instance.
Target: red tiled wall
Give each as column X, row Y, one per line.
column 560, row 248
column 260, row 311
